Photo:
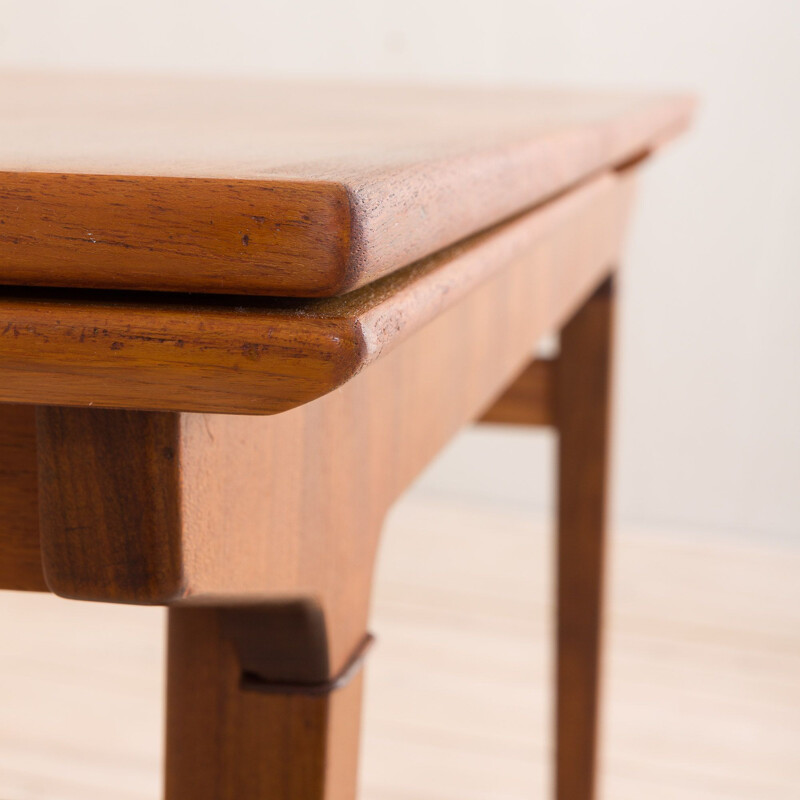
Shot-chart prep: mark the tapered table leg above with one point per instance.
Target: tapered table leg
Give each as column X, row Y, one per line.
column 582, row 414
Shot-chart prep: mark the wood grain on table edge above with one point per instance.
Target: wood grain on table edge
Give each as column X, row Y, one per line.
column 139, row 232
column 302, row 238
column 260, row 356
column 388, row 231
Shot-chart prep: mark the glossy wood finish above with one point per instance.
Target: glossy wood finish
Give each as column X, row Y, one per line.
column 582, row 411
column 248, row 187
column 20, row 557
column 265, row 356
column 529, row 400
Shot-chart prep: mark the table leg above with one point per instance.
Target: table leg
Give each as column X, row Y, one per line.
column 238, row 726
column 582, row 413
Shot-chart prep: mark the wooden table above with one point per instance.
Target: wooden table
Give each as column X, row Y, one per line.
column 240, row 318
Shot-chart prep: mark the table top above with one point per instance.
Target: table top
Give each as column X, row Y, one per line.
column 294, row 189
column 264, row 355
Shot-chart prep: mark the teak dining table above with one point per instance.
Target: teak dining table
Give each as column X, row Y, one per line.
column 238, row 318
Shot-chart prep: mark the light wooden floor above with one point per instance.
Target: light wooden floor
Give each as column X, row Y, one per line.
column 703, row 671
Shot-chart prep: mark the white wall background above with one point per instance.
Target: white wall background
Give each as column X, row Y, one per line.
column 709, row 378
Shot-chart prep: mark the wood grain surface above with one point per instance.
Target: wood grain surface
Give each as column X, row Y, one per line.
column 291, row 505
column 303, row 189
column 129, row 465
column 261, row 356
column 20, row 557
